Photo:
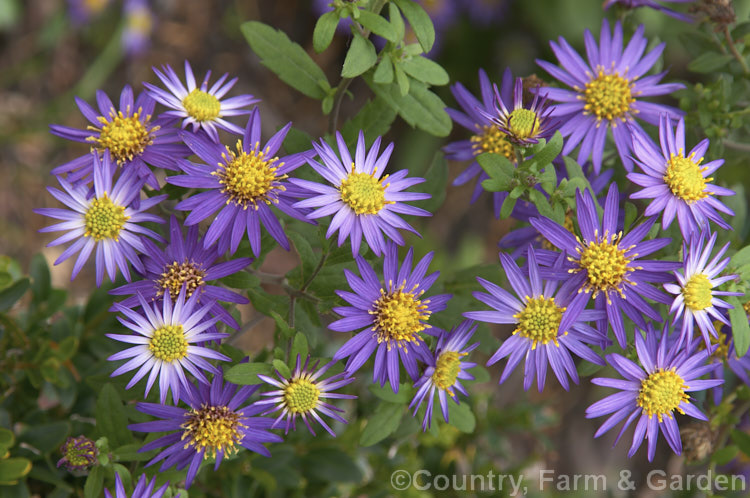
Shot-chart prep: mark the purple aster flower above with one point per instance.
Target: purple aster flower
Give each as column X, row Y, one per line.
column 654, row 390
column 362, row 200
column 200, row 106
column 634, row 4
column 696, row 300
column 540, row 336
column 676, row 182
column 520, row 125
column 144, row 488
column 304, row 395
column 132, row 139
column 606, row 93
column 214, row 426
column 607, row 265
column 106, row 221
column 242, row 185
column 165, row 343
column 486, row 137
column 184, row 262
column 445, row 370
column 390, row 315
column 139, row 24
column 78, row 454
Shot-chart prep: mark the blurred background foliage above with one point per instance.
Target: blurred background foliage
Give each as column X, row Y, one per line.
column 54, row 380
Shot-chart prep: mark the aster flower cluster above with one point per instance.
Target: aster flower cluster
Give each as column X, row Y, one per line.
column 594, row 282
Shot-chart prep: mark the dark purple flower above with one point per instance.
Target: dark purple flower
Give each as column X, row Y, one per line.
column 634, row 4
column 144, row 488
column 78, row 454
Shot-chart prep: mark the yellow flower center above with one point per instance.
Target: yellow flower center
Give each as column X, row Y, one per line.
column 301, row 396
column 201, row 106
column 661, row 393
column 213, row 429
column 363, row 193
column 104, row 219
column 685, row 179
column 605, row 264
column 608, row 96
column 399, row 316
column 721, row 352
column 523, row 123
column 539, row 321
column 447, row 368
column 491, row 139
column 175, row 275
column 168, row 343
column 125, row 137
column 697, row 292
column 746, row 307
column 248, row 177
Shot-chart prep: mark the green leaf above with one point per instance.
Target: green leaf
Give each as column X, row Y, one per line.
column 436, row 184
column 384, row 72
column 394, row 15
column 111, row 418
column 741, row 257
column 496, row 165
column 550, row 151
column 425, row 70
column 360, row 57
column 403, row 396
column 725, row 455
column 420, row 22
column 282, row 325
column 45, row 437
column 374, row 120
column 287, row 59
column 130, row 453
column 383, row 422
column 420, row 107
column 507, row 207
column 299, row 348
column 9, row 296
column 461, row 417
column 541, row 203
column 325, row 28
column 740, row 327
column 94, row 483
column 12, row 469
column 282, row 368
column 741, row 30
column 246, row 374
column 377, row 25
column 331, row 465
column 742, row 440
column 241, row 280
column 40, row 278
column 305, row 251
column 401, row 79
column 708, row 62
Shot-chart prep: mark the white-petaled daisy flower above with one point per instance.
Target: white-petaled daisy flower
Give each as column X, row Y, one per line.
column 165, row 343
column 106, row 221
column 445, row 371
column 361, row 200
column 200, row 106
column 303, row 395
column 696, row 300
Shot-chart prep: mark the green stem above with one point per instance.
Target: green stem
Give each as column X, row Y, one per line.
column 735, row 52
column 737, row 146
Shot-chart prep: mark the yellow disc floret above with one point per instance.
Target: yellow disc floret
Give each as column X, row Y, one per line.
column 168, row 343
column 539, row 321
column 249, row 177
column 176, row 275
column 212, row 429
column 608, row 96
column 605, row 263
column 104, row 219
column 661, row 393
column 523, row 123
column 399, row 316
column 124, row 136
column 491, row 139
column 364, row 193
column 447, row 368
column 697, row 292
column 201, row 106
column 301, row 396
column 684, row 177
